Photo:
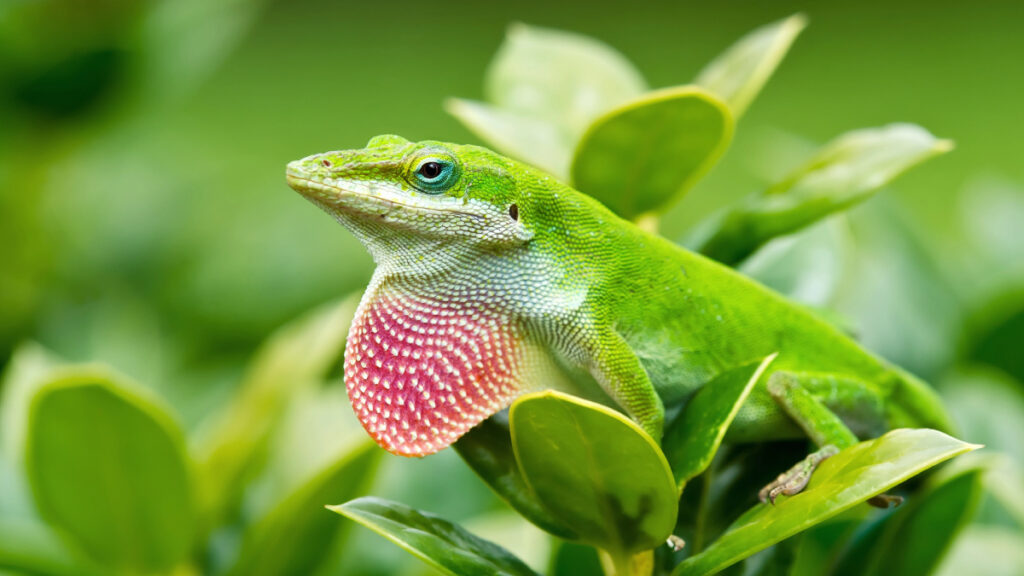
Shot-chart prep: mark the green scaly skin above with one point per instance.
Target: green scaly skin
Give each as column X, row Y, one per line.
column 493, row 278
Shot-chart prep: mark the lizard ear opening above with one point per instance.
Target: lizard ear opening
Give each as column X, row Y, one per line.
column 513, row 212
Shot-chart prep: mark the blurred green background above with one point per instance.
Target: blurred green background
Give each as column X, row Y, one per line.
column 145, row 223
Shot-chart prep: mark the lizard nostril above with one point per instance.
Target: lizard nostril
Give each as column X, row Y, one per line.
column 326, row 163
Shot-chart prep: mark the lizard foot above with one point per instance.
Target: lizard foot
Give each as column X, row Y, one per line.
column 794, row 480
column 885, row 501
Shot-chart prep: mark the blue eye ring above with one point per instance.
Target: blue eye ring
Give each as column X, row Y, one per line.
column 435, row 174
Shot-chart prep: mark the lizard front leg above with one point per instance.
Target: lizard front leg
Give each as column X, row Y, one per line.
column 800, row 396
column 618, row 370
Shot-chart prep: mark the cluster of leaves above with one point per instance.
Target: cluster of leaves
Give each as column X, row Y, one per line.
column 578, row 109
column 119, row 492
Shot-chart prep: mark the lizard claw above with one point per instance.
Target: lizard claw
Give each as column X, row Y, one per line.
column 885, row 501
column 794, row 480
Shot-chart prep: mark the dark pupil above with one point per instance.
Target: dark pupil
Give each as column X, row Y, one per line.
column 430, row 170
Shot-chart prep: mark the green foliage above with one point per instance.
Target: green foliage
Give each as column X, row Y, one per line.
column 917, row 536
column 990, row 550
column 293, row 538
column 692, row 440
column 26, row 373
column 595, row 470
column 96, row 453
column 844, row 172
column 538, row 113
column 488, row 450
column 446, row 546
column 637, row 153
column 842, row 481
column 110, row 473
column 33, row 547
column 738, row 74
column 295, row 358
column 637, row 158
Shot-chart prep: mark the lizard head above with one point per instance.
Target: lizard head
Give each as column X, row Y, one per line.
column 394, row 192
column 423, row 368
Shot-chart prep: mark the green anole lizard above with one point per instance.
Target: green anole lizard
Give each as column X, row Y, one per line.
column 493, row 279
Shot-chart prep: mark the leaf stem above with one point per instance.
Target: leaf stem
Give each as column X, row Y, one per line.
column 623, row 564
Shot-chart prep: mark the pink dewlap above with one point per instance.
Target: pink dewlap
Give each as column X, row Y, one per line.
column 421, row 373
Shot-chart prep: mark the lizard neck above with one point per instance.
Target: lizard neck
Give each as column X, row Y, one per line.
column 423, row 367
column 410, row 255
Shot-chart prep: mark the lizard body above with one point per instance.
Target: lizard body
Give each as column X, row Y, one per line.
column 493, row 278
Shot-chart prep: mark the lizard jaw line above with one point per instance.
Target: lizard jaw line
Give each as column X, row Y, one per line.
column 303, row 185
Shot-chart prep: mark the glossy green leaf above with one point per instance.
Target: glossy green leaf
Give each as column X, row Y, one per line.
column 442, row 544
column 543, row 88
column 565, row 78
column 820, row 544
column 692, row 440
column 921, row 531
column 844, row 172
column 595, row 470
column 641, row 157
column 841, row 482
column 296, row 535
column 536, row 141
column 739, row 73
column 108, row 467
column 296, row 357
column 882, row 537
column 487, row 448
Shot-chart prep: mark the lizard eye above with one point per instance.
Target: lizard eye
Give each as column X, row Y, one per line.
column 430, row 170
column 435, row 175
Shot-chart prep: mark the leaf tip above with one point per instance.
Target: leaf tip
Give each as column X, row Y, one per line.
column 797, row 22
column 336, row 508
column 944, row 145
column 454, row 105
column 516, row 29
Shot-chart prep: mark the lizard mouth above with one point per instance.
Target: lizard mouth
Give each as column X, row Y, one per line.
column 327, row 193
